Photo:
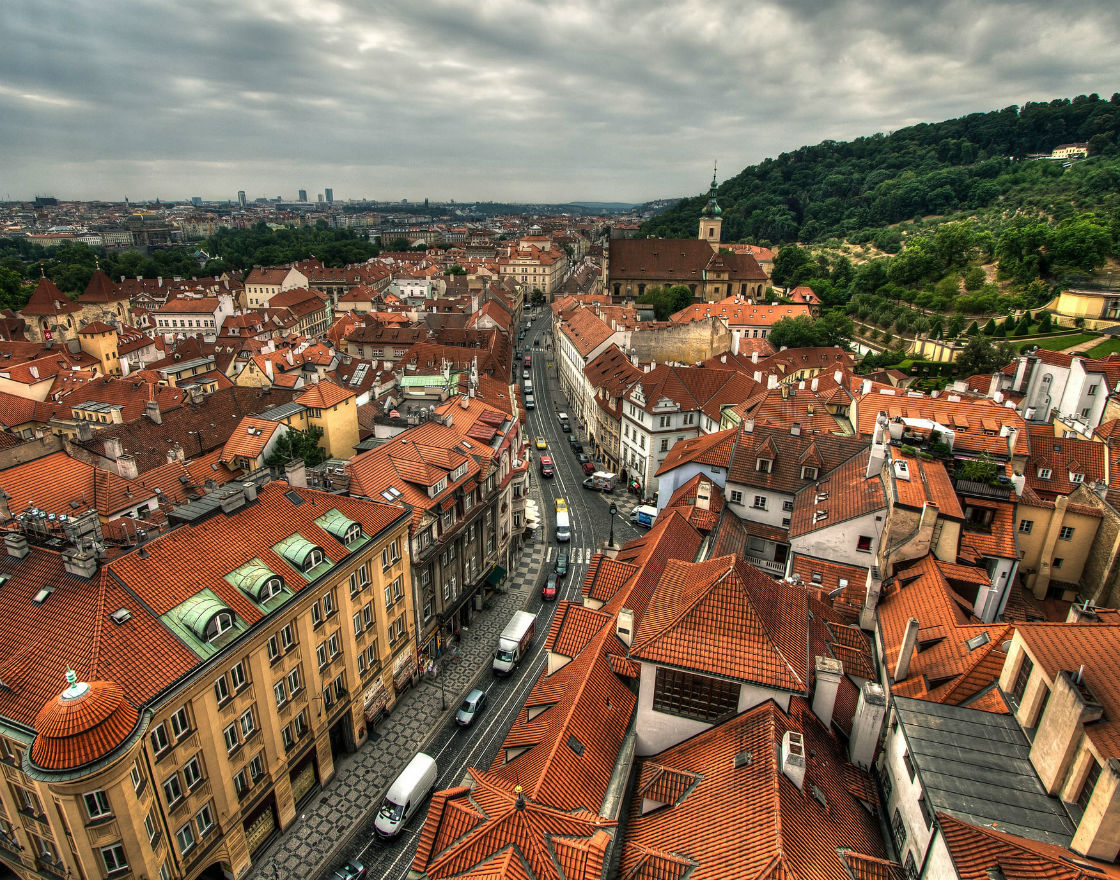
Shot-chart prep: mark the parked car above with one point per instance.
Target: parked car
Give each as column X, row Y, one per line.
column 561, row 564
column 471, row 707
column 582, row 457
column 566, row 427
column 589, row 467
column 551, row 588
column 350, row 871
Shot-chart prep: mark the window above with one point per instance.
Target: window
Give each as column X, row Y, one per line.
column 248, row 725
column 321, row 654
column 295, row 685
column 164, row 872
column 1044, row 473
column 113, row 858
column 316, row 614
column 1066, row 533
column 204, row 820
column 927, row 813
column 1057, row 562
column 151, row 826
column 301, row 724
column 97, row 804
column 172, row 790
column 221, row 690
column 759, row 502
column 231, row 738
column 736, row 496
column 371, row 653
column 388, row 598
column 1025, row 526
column 137, row 776
column 219, row 624
column 241, row 783
column 888, row 786
column 192, row 773
column 272, row 587
column 185, row 836
column 911, row 867
column 256, row 768
column 390, row 554
column 159, row 739
column 787, row 505
column 863, row 545
column 898, row 829
column 281, row 694
column 908, row 762
column 287, row 637
column 808, row 473
column 363, row 575
column 328, row 604
column 764, row 465
column 237, row 676
column 1092, row 391
column 694, row 696
column 664, row 444
column 1076, row 478
column 340, row 685
column 334, row 645
column 1086, row 792
column 357, row 623
column 273, row 649
column 180, row 722
column 1021, row 678
column 286, row 736
column 367, row 614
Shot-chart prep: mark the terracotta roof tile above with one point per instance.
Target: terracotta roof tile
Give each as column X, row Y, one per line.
column 840, row 495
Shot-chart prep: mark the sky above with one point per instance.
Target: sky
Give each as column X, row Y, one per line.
column 499, row 100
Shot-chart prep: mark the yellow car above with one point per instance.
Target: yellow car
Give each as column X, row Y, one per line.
column 561, row 505
column 541, row 444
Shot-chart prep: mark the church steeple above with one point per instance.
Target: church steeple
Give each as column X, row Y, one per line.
column 711, row 218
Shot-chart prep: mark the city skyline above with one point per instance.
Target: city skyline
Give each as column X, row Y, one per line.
column 507, row 101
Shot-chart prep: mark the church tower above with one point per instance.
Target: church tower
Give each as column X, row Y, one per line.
column 711, row 218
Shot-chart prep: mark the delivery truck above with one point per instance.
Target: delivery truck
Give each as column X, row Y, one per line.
column 644, row 515
column 514, row 642
column 563, row 526
column 600, row 481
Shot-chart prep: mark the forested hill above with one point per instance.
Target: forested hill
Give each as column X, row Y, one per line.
column 973, row 164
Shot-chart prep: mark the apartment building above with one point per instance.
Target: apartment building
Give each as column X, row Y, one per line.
column 166, row 713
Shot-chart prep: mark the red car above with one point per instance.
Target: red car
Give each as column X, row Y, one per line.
column 589, row 467
column 551, row 588
column 546, row 466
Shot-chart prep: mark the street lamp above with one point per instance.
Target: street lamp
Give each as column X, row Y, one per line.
column 614, row 510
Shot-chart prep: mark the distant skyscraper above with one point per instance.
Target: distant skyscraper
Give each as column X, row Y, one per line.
column 241, row 197
column 196, row 200
column 303, row 195
column 320, row 198
column 330, row 195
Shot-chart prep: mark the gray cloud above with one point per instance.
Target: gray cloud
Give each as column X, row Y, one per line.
column 499, row 99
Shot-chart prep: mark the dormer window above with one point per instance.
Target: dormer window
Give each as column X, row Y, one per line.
column 764, row 465
column 272, row 587
column 438, row 487
column 459, row 472
column 352, row 534
column 1076, row 478
column 1044, row 473
column 808, row 473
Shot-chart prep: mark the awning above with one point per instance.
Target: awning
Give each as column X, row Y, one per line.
column 496, row 575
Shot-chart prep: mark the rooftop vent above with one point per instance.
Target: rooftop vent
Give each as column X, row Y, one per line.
column 42, row 595
column 901, row 470
column 121, row 615
column 743, row 759
column 793, row 757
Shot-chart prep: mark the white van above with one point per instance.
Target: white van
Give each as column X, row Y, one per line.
column 408, row 791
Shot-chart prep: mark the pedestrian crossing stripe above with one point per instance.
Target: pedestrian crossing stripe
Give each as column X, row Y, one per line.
column 549, row 557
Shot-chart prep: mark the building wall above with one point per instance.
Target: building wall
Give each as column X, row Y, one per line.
column 658, row 731
column 340, row 428
column 681, row 343
column 1043, row 544
column 839, row 541
column 904, row 794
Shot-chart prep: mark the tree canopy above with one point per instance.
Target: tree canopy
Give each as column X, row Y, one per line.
column 298, row 444
column 667, row 300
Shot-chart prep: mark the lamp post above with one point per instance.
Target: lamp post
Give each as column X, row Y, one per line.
column 614, row 510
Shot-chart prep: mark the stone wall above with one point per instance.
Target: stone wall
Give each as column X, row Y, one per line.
column 681, row 343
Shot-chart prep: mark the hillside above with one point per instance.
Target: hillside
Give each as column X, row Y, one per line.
column 975, row 165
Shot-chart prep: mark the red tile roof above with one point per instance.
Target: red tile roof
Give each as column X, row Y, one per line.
column 101, row 290
column 83, row 723
column 719, row 806
column 841, row 494
column 324, row 395
column 1062, row 456
column 726, row 618
column 58, row 484
column 710, row 449
column 49, row 300
column 966, row 416
column 248, row 439
column 736, row 312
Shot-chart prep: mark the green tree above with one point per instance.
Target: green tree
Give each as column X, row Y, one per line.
column 990, row 327
column 456, row 269
column 789, row 262
column 981, row 356
column 537, row 296
column 973, row 329
column 297, row 444
column 975, row 278
column 1023, row 327
column 1045, row 322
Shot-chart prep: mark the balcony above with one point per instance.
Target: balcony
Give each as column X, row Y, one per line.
column 768, row 565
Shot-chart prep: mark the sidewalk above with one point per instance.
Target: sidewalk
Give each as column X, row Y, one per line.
column 326, row 823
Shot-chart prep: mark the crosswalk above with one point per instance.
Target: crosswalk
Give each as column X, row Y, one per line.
column 576, row 556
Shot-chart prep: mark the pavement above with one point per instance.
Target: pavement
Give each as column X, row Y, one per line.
column 328, row 823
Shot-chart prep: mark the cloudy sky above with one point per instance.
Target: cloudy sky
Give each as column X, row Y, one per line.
column 521, row 100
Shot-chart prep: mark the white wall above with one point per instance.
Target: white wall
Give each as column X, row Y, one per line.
column 775, row 512
column 838, row 542
column 904, row 796
column 657, row 731
column 669, row 482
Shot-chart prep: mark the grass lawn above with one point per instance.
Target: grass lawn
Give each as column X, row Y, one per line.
column 1109, row 346
column 1058, row 343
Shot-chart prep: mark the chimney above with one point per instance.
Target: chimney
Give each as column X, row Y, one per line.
column 16, row 544
column 785, row 392
column 151, row 410
column 34, row 372
column 866, row 388
column 126, row 467
column 772, row 383
column 828, row 676
column 268, row 370
column 815, row 384
column 993, row 386
column 795, row 429
column 125, row 367
column 906, row 651
column 114, row 449
column 80, row 562
column 85, row 431
column 866, row 724
column 295, row 473
column 250, row 490
column 793, row 757
column 703, row 495
column 748, row 426
column 624, row 626
column 838, row 377
column 1083, row 613
column 754, row 356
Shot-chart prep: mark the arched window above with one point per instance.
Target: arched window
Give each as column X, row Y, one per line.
column 314, row 558
column 272, row 587
column 220, row 623
column 353, row 534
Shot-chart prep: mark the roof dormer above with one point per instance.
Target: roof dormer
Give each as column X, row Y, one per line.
column 257, row 581
column 301, row 554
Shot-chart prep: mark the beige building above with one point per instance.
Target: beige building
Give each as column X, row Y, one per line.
column 274, row 634
column 262, row 284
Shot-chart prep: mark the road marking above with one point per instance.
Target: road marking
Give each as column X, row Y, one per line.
column 548, row 558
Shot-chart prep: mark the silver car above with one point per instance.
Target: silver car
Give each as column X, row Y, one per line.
column 471, row 707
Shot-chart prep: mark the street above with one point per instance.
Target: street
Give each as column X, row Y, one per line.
column 455, row 749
